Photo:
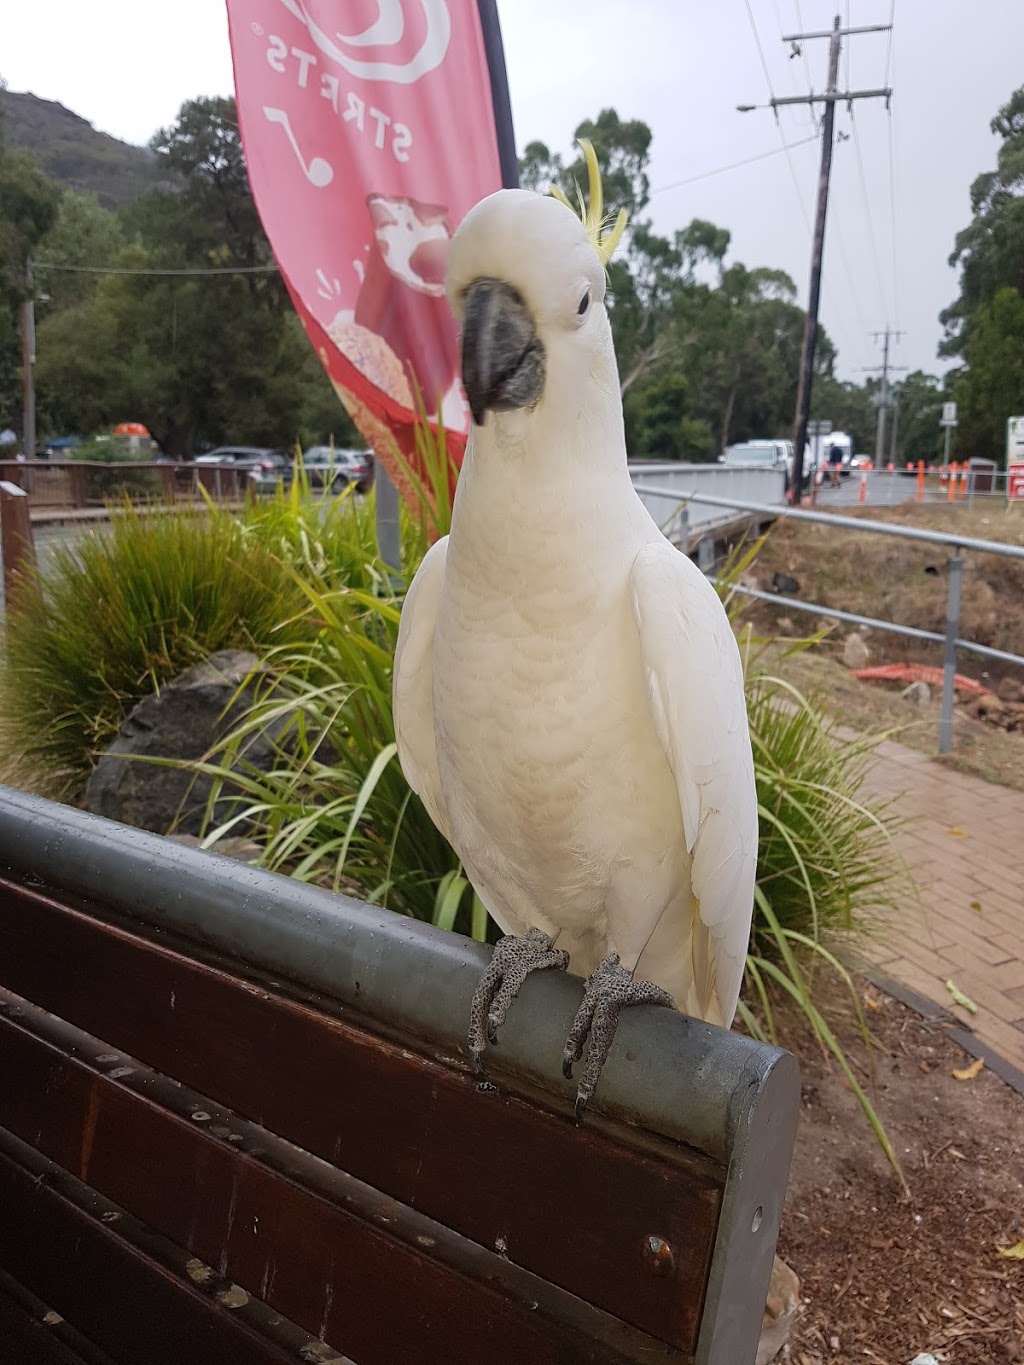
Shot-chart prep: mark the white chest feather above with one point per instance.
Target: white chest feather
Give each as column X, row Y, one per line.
column 552, row 773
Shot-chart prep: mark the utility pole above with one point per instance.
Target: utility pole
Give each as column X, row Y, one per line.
column 830, row 98
column 885, row 369
column 28, row 361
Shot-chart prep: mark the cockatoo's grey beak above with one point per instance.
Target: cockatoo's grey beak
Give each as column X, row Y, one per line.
column 502, row 355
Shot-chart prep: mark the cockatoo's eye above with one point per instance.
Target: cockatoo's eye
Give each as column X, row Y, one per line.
column 584, row 304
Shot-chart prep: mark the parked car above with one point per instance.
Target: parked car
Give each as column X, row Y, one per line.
column 267, row 468
column 762, row 454
column 862, row 462
column 334, row 468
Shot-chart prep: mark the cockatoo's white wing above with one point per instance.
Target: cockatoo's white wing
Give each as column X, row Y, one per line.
column 413, row 687
column 695, row 682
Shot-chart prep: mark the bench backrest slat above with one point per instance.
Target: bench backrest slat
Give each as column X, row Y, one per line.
column 207, row 1066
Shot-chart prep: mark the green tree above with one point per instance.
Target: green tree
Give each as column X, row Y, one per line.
column 83, row 234
column 919, row 435
column 849, row 407
column 28, row 205
column 990, row 256
column 204, row 150
column 200, row 359
column 991, row 388
column 659, row 424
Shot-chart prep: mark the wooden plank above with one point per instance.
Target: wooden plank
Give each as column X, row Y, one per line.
column 310, row 1242
column 56, row 1328
column 489, row 1165
column 115, row 1290
column 26, row 1340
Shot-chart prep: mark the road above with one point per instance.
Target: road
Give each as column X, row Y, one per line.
column 48, row 539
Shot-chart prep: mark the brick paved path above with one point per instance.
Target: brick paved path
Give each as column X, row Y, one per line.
column 966, row 847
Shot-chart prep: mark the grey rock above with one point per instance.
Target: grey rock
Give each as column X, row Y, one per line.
column 183, row 721
column 785, row 584
column 856, row 653
column 780, row 1310
column 919, row 693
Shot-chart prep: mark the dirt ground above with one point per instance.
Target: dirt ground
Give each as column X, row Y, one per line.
column 901, row 581
column 904, row 581
column 886, row 1276
column 978, row 748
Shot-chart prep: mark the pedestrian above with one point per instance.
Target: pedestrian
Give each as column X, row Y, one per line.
column 835, row 464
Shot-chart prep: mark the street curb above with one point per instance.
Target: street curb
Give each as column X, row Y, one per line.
column 962, row 1035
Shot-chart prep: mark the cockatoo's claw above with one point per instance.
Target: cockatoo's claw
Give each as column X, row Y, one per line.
column 610, row 990
column 514, row 959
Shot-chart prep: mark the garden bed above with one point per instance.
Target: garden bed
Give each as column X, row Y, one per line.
column 885, row 1276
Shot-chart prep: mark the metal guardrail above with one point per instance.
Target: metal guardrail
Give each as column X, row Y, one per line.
column 955, row 486
column 950, row 639
column 79, row 484
column 674, row 481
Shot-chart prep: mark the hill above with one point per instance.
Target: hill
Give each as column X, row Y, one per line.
column 78, row 157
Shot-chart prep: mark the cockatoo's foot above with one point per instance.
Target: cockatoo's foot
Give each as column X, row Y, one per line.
column 609, row 990
column 514, row 959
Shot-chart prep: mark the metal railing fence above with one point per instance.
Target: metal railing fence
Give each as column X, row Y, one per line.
column 950, row 639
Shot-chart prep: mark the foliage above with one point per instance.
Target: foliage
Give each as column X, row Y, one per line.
column 708, row 349
column 992, row 388
column 124, row 612
column 984, row 324
column 828, row 871
column 28, row 206
column 827, row 866
column 200, row 359
column 84, row 233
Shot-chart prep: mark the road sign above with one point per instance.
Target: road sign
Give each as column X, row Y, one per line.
column 949, row 415
column 819, row 429
column 1015, row 459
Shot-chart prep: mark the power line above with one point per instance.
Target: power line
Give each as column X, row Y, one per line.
column 830, row 99
column 852, row 291
column 794, row 79
column 870, row 216
column 803, row 49
column 892, row 175
column 782, row 140
column 848, row 273
column 760, row 50
column 118, row 270
column 888, row 48
column 735, row 165
column 884, row 392
column 892, row 219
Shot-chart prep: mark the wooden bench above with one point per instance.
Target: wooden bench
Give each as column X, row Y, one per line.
column 237, row 1124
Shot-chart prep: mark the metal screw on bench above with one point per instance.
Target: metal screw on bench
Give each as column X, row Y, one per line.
column 658, row 1256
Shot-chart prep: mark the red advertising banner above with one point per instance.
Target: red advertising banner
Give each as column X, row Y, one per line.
column 370, row 128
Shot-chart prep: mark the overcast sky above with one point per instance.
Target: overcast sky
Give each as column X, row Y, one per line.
column 682, row 66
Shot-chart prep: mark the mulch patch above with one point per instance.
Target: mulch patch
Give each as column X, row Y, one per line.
column 886, row 1275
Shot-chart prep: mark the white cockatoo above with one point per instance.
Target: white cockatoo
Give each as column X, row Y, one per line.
column 568, row 692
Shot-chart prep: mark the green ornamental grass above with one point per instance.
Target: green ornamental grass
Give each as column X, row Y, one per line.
column 301, row 581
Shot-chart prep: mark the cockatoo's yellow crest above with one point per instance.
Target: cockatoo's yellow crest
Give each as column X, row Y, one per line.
column 593, row 216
